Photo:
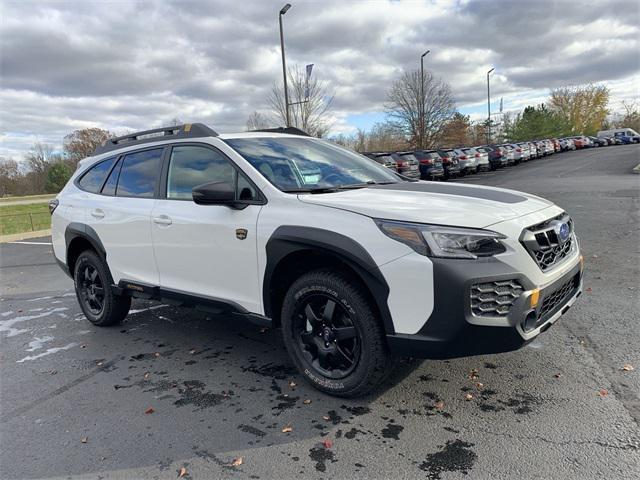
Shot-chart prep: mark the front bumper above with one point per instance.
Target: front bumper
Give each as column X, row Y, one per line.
column 453, row 330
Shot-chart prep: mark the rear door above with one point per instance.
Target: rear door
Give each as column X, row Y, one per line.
column 206, row 250
column 121, row 215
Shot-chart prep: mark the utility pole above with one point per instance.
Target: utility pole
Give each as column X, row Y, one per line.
column 283, row 10
column 489, row 108
column 422, row 98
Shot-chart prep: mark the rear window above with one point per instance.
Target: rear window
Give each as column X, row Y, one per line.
column 139, row 174
column 93, row 179
column 409, row 156
column 384, row 158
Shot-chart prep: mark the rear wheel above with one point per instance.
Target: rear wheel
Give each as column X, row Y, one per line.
column 333, row 335
column 93, row 290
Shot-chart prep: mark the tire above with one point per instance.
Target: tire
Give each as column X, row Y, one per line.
column 93, row 282
column 343, row 367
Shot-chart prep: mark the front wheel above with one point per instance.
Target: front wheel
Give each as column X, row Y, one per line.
column 93, row 290
column 333, row 335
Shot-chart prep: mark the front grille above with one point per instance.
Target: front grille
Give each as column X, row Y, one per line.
column 544, row 244
column 557, row 298
column 494, row 299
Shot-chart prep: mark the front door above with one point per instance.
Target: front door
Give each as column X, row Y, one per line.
column 206, row 250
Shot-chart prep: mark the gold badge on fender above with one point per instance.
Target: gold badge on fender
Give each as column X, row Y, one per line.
column 241, row 233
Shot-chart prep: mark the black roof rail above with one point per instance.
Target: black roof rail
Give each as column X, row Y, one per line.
column 289, row 130
column 188, row 130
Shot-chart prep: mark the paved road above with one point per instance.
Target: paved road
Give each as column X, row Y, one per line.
column 222, row 389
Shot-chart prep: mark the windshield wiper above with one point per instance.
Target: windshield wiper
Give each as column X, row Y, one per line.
column 337, row 188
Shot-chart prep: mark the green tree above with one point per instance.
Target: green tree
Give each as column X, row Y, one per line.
column 583, row 108
column 58, row 175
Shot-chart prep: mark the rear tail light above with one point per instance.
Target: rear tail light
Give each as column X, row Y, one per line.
column 477, row 155
column 463, row 157
column 53, row 204
column 426, row 161
column 400, row 163
column 518, row 150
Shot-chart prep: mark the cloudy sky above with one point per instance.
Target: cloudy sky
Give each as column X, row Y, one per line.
column 125, row 65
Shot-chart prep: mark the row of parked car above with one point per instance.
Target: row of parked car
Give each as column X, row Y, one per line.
column 446, row 163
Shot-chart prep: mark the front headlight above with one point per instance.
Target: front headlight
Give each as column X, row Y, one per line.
column 444, row 242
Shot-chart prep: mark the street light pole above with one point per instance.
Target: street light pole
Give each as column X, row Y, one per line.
column 489, row 108
column 422, row 98
column 283, row 10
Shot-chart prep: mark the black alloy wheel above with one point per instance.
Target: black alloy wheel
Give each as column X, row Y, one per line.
column 326, row 336
column 91, row 288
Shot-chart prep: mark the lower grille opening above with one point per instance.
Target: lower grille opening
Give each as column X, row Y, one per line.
column 494, row 299
column 553, row 301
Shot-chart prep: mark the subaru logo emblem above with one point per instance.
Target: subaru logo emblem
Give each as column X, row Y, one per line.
column 563, row 232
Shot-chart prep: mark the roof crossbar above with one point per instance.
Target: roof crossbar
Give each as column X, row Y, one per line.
column 289, row 130
column 188, row 130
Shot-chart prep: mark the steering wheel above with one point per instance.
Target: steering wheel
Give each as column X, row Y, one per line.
column 328, row 177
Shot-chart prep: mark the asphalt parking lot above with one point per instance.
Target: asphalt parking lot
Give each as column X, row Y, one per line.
column 74, row 396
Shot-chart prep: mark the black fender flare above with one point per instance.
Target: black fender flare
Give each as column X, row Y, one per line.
column 77, row 229
column 286, row 240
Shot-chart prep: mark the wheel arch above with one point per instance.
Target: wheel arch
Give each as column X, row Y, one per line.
column 78, row 238
column 294, row 250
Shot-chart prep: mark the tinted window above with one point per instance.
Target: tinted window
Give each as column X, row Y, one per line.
column 139, row 173
column 93, row 179
column 191, row 166
column 111, row 183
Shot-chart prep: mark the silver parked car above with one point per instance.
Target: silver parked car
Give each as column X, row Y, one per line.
column 468, row 163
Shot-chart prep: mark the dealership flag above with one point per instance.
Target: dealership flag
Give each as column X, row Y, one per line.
column 501, row 104
column 306, row 89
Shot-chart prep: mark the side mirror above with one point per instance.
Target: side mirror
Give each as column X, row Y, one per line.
column 216, row 193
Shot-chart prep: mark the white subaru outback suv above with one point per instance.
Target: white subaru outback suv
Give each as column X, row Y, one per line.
column 355, row 263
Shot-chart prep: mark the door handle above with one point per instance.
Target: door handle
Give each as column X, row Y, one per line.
column 97, row 213
column 162, row 220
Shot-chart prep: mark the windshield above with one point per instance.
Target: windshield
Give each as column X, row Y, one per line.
column 308, row 164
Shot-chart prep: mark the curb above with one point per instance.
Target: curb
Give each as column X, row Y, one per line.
column 636, row 169
column 16, row 237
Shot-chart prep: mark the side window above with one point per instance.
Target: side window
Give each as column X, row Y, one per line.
column 112, row 182
column 191, row 166
column 139, row 174
column 93, row 179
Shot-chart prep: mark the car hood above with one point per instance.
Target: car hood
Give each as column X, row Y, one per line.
column 437, row 203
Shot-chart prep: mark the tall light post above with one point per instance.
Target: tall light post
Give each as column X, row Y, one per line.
column 489, row 108
column 422, row 97
column 283, row 10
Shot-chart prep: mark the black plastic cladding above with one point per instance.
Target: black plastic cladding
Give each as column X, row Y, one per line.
column 188, row 130
column 290, row 239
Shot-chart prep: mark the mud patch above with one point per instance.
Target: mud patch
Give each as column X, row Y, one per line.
column 356, row 411
column 321, row 455
column 279, row 372
column 252, row 430
column 455, row 456
column 392, row 431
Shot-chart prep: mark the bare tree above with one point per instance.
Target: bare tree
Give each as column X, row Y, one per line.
column 381, row 138
column 38, row 160
column 258, row 121
column 82, row 143
column 8, row 175
column 309, row 113
column 405, row 102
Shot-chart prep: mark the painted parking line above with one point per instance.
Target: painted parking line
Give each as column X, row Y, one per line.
column 29, row 243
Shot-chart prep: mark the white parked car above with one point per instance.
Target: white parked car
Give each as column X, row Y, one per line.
column 353, row 262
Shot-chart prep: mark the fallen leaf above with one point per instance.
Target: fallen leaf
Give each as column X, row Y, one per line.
column 264, row 329
column 149, row 410
column 83, row 440
column 479, row 385
column 237, row 462
column 468, row 397
column 292, row 384
column 326, row 417
column 83, row 346
column 588, row 289
column 192, row 351
column 146, row 376
column 327, row 443
column 183, row 472
column 287, row 429
column 99, row 364
column 473, row 374
column 157, row 354
column 594, row 256
column 440, row 405
column 603, row 392
column 558, row 375
column 306, row 401
column 627, row 367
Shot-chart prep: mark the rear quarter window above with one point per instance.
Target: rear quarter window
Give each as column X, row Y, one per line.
column 139, row 174
column 92, row 180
